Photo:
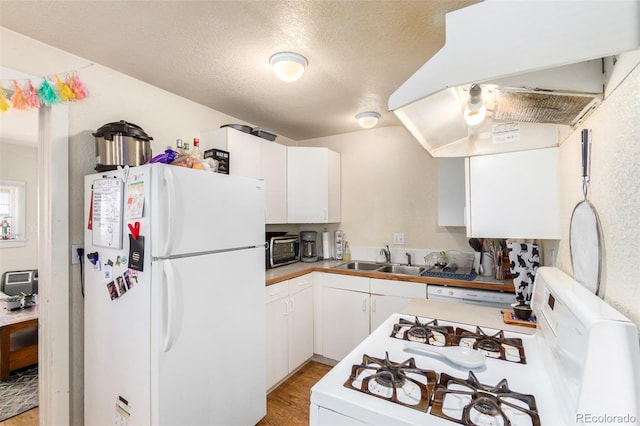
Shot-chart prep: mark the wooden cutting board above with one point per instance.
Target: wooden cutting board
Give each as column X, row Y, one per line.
column 509, row 318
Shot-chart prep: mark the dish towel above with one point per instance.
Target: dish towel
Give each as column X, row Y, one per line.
column 524, row 260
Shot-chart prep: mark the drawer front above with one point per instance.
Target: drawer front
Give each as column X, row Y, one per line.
column 398, row 288
column 347, row 282
column 298, row 284
column 276, row 291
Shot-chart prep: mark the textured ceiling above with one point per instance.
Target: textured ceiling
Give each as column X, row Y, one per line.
column 216, row 53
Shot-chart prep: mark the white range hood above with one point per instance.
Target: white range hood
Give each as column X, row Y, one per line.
column 538, row 63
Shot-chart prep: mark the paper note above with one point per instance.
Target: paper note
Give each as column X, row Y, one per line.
column 107, row 213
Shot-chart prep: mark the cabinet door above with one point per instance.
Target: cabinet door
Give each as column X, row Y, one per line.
column 391, row 296
column 451, row 192
column 346, row 321
column 313, row 185
column 274, row 173
column 300, row 327
column 514, row 195
column 335, row 181
column 244, row 154
column 277, row 333
column 383, row 306
column 307, row 185
column 244, row 150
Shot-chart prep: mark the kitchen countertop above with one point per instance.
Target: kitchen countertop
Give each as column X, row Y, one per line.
column 482, row 316
column 297, row 269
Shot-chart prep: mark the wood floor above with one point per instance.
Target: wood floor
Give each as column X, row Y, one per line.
column 28, row 418
column 287, row 405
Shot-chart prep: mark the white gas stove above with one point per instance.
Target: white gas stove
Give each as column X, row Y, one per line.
column 582, row 366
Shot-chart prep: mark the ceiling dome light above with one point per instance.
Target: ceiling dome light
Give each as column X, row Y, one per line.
column 475, row 111
column 368, row 119
column 288, row 66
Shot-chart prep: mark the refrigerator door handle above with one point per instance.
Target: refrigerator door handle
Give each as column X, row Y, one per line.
column 171, row 204
column 169, row 309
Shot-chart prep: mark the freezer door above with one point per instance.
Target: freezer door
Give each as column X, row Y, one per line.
column 209, row 339
column 194, row 211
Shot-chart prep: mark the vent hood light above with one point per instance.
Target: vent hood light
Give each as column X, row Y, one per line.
column 475, row 111
column 545, row 74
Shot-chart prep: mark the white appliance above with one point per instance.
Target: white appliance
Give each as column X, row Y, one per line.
column 580, row 366
column 471, row 296
column 181, row 341
column 539, row 75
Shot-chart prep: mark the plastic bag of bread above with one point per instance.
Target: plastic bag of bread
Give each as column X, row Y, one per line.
column 183, row 161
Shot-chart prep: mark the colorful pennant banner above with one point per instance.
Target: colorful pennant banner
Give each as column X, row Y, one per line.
column 52, row 90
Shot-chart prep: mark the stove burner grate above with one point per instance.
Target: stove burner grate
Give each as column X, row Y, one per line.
column 492, row 345
column 402, row 383
column 429, row 332
column 469, row 402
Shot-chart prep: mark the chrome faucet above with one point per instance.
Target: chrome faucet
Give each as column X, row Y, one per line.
column 387, row 253
column 408, row 258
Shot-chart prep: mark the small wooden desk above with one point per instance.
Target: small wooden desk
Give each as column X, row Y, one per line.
column 18, row 345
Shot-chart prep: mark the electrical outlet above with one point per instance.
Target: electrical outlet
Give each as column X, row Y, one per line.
column 74, row 253
column 398, row 238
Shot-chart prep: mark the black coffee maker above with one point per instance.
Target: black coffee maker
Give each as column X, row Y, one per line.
column 308, row 246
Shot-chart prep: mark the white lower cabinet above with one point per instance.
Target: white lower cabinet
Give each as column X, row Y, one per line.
column 277, row 332
column 345, row 313
column 391, row 296
column 300, row 321
column 289, row 327
column 355, row 306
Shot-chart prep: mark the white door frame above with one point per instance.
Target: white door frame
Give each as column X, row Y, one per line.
column 53, row 265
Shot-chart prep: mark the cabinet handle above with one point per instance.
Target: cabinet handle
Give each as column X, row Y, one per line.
column 286, row 307
column 291, row 305
column 364, row 305
column 373, row 305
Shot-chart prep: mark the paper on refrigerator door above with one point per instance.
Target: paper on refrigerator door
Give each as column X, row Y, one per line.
column 107, row 213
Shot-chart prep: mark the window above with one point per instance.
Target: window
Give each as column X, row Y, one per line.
column 12, row 213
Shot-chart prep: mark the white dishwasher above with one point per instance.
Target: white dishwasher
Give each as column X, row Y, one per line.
column 495, row 299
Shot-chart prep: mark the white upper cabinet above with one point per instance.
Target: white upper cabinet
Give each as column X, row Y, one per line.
column 451, row 192
column 313, row 185
column 258, row 158
column 274, row 173
column 514, row 195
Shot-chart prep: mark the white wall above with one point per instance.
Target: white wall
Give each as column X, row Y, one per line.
column 615, row 174
column 390, row 184
column 19, row 162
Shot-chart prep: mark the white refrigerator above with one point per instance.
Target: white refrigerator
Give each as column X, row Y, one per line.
column 174, row 298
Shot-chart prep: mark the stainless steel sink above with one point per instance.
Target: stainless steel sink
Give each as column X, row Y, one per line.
column 381, row 267
column 402, row 269
column 360, row 266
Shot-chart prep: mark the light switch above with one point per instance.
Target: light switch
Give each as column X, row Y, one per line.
column 398, row 238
